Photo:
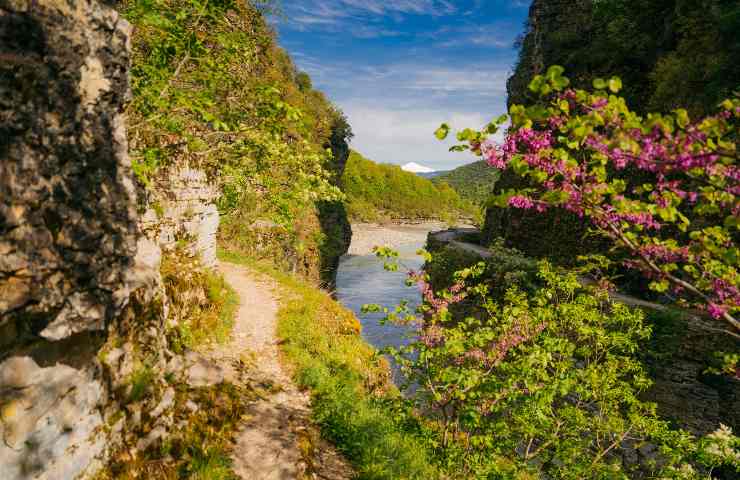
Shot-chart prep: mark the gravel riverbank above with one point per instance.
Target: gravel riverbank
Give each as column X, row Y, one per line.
column 365, row 236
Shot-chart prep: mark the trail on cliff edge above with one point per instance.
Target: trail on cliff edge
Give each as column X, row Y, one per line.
column 273, row 442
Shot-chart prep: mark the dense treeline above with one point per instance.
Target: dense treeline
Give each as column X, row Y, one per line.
column 474, row 182
column 669, row 53
column 383, row 192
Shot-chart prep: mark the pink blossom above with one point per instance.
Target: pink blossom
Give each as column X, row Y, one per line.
column 519, row 201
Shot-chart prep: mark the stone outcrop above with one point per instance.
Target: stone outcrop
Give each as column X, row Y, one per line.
column 183, row 209
column 685, row 391
column 46, row 413
column 68, row 233
column 80, row 315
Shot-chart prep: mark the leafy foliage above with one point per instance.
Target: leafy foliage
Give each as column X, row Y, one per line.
column 541, row 384
column 578, row 150
column 379, row 191
column 212, row 90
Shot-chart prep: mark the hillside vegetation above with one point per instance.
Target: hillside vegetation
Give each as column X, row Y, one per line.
column 474, row 182
column 212, row 90
column 377, row 192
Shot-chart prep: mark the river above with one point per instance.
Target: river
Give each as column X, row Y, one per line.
column 361, row 278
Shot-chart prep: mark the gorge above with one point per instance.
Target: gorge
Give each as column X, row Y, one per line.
column 200, row 279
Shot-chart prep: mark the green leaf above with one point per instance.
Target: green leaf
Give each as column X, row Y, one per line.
column 554, row 72
column 537, row 83
column 466, row 135
column 615, row 84
column 682, row 118
column 442, row 132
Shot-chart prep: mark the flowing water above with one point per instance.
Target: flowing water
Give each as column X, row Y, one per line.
column 362, row 280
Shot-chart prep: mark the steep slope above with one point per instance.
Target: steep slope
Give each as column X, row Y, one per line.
column 213, row 91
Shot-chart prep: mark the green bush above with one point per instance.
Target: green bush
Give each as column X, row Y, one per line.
column 544, row 384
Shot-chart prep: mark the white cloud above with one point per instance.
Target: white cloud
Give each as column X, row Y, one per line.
column 357, row 17
column 395, row 109
column 482, row 81
column 407, row 81
column 389, row 135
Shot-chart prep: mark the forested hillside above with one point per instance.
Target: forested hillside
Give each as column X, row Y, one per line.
column 377, row 192
column 474, row 182
column 669, row 53
column 213, row 90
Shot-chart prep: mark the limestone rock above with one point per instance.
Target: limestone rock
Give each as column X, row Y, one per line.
column 183, row 208
column 46, row 413
column 68, row 223
column 74, row 266
column 201, row 372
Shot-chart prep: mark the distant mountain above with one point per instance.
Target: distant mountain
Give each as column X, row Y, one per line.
column 433, row 174
column 474, row 181
column 414, row 167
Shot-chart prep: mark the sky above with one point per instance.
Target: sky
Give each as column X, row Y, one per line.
column 399, row 68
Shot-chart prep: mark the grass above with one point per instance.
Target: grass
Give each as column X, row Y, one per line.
column 353, row 400
column 141, row 379
column 204, row 303
column 198, row 447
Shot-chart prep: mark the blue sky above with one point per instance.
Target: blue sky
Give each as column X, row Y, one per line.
column 399, row 68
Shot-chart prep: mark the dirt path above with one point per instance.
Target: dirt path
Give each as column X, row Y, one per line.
column 275, row 442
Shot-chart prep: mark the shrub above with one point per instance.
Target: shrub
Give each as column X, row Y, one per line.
column 544, row 383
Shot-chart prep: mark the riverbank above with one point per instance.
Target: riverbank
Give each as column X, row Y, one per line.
column 365, row 236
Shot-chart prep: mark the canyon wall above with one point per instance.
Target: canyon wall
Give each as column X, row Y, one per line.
column 82, row 321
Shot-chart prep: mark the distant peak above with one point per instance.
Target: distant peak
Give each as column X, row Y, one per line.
column 416, row 168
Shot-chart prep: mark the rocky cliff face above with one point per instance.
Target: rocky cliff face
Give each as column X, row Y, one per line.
column 78, row 281
column 183, row 209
